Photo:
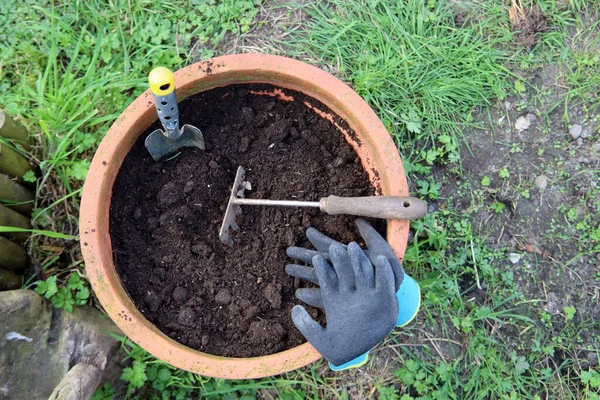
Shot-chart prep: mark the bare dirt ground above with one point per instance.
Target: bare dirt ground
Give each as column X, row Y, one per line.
column 552, row 172
column 274, row 23
column 550, row 199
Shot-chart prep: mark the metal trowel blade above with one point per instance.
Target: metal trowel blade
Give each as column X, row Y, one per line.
column 233, row 210
column 159, row 146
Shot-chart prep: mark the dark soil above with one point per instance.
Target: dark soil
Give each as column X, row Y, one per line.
column 165, row 219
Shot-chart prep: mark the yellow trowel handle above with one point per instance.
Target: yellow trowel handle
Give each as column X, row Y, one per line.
column 162, row 85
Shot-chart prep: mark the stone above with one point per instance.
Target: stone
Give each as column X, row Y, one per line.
column 514, row 257
column 40, row 343
column 541, row 182
column 587, row 132
column 522, row 123
column 575, row 131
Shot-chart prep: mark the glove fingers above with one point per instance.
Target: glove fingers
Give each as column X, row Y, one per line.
column 302, row 272
column 378, row 246
column 385, row 287
column 327, row 277
column 376, row 243
column 343, row 267
column 368, row 232
column 384, row 276
column 363, row 269
column 311, row 297
column 304, row 255
column 309, row 328
column 319, row 240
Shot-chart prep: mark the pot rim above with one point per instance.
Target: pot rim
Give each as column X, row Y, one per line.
column 375, row 148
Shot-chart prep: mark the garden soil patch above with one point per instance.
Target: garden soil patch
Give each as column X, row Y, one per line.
column 165, row 217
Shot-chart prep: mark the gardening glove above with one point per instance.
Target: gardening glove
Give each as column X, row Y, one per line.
column 359, row 302
column 408, row 293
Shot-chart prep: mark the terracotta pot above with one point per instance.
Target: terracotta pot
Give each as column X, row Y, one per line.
column 372, row 143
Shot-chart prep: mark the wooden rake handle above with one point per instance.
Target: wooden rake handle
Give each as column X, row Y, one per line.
column 385, row 207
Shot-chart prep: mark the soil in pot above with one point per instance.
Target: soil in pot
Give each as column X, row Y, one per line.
column 165, row 217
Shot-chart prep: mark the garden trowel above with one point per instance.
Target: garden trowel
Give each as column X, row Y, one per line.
column 161, row 143
column 385, row 207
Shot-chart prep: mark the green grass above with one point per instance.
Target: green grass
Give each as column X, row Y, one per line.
column 409, row 61
column 68, row 69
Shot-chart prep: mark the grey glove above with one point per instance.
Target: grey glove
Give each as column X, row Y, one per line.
column 359, row 300
column 376, row 244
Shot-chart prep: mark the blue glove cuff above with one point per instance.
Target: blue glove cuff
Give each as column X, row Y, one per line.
column 409, row 300
column 357, row 362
